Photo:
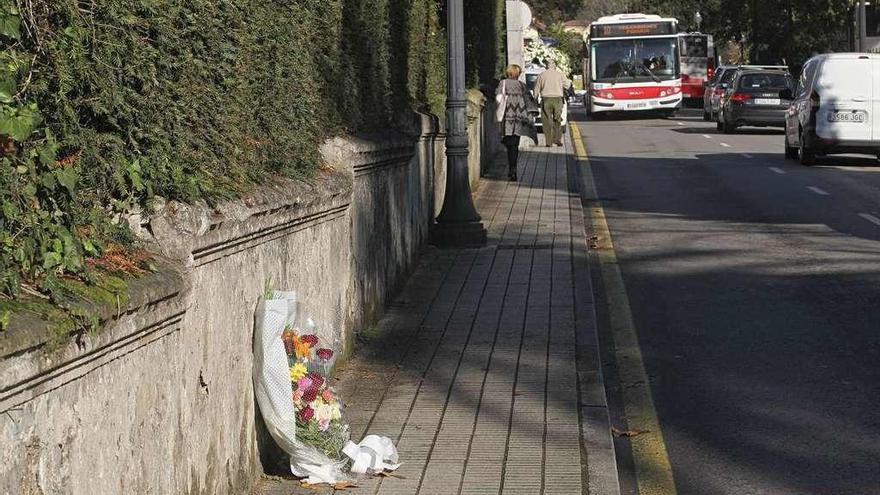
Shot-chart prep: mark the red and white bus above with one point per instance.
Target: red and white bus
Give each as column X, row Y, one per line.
column 633, row 64
column 697, row 63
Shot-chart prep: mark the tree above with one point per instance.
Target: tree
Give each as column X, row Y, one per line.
column 553, row 11
column 594, row 9
column 571, row 44
column 774, row 31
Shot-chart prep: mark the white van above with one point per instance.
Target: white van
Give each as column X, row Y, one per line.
column 835, row 107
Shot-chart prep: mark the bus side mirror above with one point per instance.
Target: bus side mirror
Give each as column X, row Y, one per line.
column 786, row 94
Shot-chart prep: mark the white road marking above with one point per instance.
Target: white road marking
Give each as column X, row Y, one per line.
column 777, row 170
column 746, row 155
column 818, row 191
column 870, row 218
column 725, row 145
column 707, row 136
column 680, row 123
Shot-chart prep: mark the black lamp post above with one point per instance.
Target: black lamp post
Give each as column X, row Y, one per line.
column 458, row 223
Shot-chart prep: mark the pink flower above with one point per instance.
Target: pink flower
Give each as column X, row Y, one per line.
column 306, row 414
column 325, row 354
column 297, row 395
column 310, row 339
column 305, row 383
column 324, row 424
column 327, row 395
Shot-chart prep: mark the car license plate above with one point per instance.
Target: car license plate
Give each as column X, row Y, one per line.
column 636, row 105
column 846, row 116
column 767, row 101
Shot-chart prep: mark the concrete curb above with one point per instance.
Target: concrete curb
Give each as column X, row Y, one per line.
column 601, row 476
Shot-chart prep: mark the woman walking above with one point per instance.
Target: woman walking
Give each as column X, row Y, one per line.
column 515, row 102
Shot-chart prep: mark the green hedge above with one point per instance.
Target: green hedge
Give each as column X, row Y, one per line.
column 485, row 40
column 105, row 105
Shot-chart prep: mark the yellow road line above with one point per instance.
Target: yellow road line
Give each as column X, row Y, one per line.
column 653, row 470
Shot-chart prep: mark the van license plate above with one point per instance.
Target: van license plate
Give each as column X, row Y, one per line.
column 636, row 105
column 846, row 117
column 768, row 101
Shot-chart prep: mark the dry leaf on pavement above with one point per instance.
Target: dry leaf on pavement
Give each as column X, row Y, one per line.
column 386, row 474
column 628, row 433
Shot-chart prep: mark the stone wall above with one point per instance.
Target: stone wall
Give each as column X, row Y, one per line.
column 392, row 209
column 160, row 400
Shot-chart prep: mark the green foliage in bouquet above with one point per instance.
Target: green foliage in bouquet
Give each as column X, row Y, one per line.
column 329, row 442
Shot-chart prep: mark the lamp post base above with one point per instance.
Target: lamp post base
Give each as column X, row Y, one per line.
column 458, row 234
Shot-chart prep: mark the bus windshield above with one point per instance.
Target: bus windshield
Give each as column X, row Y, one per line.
column 636, row 60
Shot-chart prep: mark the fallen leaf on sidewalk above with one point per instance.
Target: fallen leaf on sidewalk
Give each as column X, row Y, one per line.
column 325, row 488
column 628, row 433
column 317, row 488
column 386, row 474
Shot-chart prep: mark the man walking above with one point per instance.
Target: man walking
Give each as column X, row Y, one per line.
column 549, row 89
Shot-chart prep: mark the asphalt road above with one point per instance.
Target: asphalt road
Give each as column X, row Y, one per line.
column 754, row 284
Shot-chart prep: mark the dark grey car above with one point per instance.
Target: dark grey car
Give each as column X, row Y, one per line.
column 713, row 90
column 753, row 98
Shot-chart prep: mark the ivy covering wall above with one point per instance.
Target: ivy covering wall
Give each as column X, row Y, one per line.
column 485, row 41
column 105, row 105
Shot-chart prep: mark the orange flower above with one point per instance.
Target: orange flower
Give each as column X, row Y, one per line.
column 287, row 337
column 303, row 349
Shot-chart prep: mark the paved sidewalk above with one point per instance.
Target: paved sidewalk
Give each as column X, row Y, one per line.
column 485, row 369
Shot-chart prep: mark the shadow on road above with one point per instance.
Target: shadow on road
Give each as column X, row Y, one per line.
column 756, row 324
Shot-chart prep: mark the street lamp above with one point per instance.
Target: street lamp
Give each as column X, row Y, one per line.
column 458, row 223
column 698, row 19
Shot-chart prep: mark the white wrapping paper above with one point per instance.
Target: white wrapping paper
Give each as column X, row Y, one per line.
column 274, row 392
column 372, row 455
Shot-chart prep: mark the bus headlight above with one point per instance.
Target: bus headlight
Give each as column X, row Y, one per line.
column 662, row 94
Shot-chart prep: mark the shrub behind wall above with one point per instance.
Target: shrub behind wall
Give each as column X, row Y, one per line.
column 105, row 105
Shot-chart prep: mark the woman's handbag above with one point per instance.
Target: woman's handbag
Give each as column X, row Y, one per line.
column 501, row 102
column 532, row 106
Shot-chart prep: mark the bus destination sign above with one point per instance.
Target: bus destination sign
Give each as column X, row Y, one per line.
column 632, row 29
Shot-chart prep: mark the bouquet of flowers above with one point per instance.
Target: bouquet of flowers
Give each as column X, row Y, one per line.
column 300, row 409
column 318, row 408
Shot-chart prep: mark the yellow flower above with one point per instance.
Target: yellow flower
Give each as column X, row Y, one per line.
column 298, row 371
